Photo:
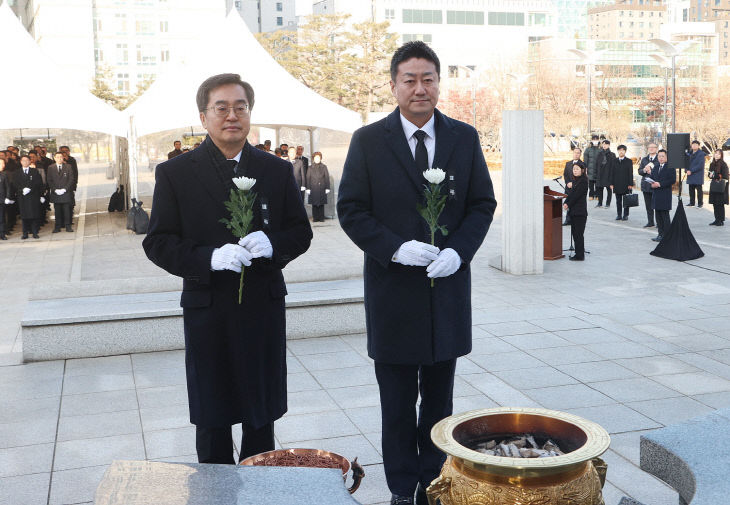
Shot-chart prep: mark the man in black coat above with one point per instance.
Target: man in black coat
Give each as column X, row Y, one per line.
column 67, row 158
column 622, row 181
column 604, row 167
column 568, row 176
column 60, row 179
column 415, row 332
column 650, row 160
column 3, row 198
column 663, row 178
column 235, row 354
column 589, row 158
column 177, row 151
column 28, row 190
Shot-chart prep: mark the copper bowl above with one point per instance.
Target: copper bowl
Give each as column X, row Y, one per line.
column 343, row 463
column 470, row 477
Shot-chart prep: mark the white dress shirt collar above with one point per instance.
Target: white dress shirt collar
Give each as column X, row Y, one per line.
column 237, row 157
column 409, row 128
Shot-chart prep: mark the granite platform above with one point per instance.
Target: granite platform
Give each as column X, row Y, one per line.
column 689, row 456
column 156, row 483
column 110, row 324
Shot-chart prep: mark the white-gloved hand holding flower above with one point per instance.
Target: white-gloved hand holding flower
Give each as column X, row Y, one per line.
column 258, row 244
column 326, row 191
column 230, row 257
column 60, row 191
column 26, row 191
column 447, row 263
column 416, row 254
column 43, row 200
column 8, row 201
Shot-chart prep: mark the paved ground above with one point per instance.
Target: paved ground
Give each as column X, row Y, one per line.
column 625, row 339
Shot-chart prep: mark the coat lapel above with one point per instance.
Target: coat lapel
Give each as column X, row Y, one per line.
column 445, row 140
column 205, row 173
column 396, row 139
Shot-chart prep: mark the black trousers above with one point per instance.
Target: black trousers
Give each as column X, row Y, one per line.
column 31, row 226
column 620, row 206
column 591, row 188
column 2, row 218
column 317, row 213
column 215, row 445
column 649, row 209
column 577, row 227
column 11, row 215
column 719, row 209
column 599, row 194
column 63, row 215
column 409, row 456
column 662, row 221
column 695, row 189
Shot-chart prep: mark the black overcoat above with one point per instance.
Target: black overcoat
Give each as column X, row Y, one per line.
column 576, row 200
column 235, row 355
column 645, row 186
column 63, row 180
column 720, row 169
column 622, row 176
column 661, row 197
column 589, row 158
column 408, row 322
column 605, row 170
column 29, row 205
column 568, row 173
column 318, row 181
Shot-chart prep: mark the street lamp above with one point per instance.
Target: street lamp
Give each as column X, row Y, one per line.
column 665, row 64
column 520, row 79
column 589, row 59
column 672, row 51
column 473, row 93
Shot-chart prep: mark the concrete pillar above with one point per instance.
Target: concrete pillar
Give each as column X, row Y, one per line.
column 522, row 189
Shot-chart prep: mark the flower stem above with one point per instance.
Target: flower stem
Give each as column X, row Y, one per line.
column 240, row 285
column 432, row 234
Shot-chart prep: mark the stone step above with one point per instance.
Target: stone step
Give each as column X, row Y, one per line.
column 107, row 324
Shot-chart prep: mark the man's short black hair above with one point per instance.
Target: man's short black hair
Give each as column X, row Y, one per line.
column 216, row 81
column 594, row 137
column 176, row 142
column 696, row 142
column 24, row 156
column 621, row 147
column 607, row 142
column 414, row 49
column 64, row 147
column 57, row 152
column 662, row 151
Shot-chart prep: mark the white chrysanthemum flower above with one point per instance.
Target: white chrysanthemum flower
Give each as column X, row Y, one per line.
column 244, row 183
column 434, row 175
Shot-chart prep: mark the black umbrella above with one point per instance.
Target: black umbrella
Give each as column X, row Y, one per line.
column 678, row 243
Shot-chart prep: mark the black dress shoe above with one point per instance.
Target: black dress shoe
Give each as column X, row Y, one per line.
column 35, row 235
column 690, row 205
column 657, row 238
column 721, row 223
column 625, row 218
column 618, row 218
column 699, row 206
column 57, row 230
column 3, row 237
column 69, row 229
column 421, row 497
column 25, row 236
column 401, row 500
column 575, row 258
column 714, row 223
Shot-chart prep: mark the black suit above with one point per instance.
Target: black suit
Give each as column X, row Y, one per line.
column 646, row 188
column 578, row 212
column 234, row 354
column 604, row 168
column 31, row 209
column 413, row 328
column 61, row 179
column 622, row 178
column 3, row 194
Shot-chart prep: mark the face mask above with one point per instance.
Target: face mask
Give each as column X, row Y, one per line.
column 317, row 159
column 594, row 142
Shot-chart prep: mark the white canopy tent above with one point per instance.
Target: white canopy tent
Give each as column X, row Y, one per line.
column 32, row 103
column 281, row 100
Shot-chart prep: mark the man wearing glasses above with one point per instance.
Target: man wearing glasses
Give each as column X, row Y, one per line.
column 235, row 355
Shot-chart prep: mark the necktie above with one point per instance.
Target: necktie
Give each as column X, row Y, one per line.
column 59, row 169
column 232, row 166
column 421, row 151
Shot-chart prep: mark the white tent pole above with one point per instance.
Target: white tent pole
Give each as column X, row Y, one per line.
column 311, row 141
column 278, row 137
column 132, row 156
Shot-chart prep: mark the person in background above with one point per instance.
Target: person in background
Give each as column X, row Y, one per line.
column 284, row 149
column 577, row 208
column 622, row 181
column 67, row 158
column 177, row 151
column 28, row 189
column 661, row 197
column 696, row 174
column 3, row 198
column 719, row 171
column 267, row 146
column 38, row 165
column 196, row 145
column 589, row 158
column 568, row 176
column 318, row 187
column 604, row 167
column 260, row 147
column 277, row 152
column 298, row 167
column 305, row 160
column 649, row 160
column 60, row 179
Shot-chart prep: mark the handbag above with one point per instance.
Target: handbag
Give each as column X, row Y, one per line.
column 631, row 200
column 718, row 185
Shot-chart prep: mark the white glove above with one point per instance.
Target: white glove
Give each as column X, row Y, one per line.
column 326, row 191
column 26, row 191
column 60, row 191
column 8, row 201
column 447, row 263
column 257, row 244
column 416, row 254
column 303, row 188
column 650, row 165
column 43, row 200
column 230, row 257
column 308, row 191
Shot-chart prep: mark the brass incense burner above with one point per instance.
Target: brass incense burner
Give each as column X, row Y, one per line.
column 470, row 477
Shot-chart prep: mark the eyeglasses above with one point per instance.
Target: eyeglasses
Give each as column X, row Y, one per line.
column 223, row 110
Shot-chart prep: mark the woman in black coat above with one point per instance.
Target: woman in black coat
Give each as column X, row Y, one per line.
column 318, row 187
column 577, row 209
column 719, row 171
column 3, row 195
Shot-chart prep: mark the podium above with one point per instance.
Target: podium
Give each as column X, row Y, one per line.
column 552, row 202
